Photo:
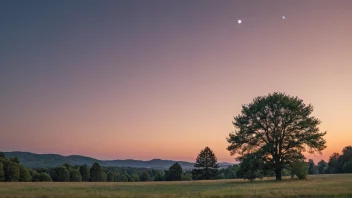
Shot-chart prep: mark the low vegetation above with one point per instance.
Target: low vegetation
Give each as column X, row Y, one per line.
column 333, row 185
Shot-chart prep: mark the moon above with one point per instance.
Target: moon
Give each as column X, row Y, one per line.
column 283, row 17
column 239, row 21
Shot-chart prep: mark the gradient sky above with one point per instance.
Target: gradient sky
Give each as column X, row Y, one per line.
column 163, row 79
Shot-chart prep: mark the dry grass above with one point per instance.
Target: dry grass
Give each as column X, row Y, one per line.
column 314, row 186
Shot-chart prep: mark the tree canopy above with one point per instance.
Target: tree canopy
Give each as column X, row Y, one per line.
column 277, row 127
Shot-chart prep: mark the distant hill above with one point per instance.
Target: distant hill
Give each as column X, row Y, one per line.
column 32, row 160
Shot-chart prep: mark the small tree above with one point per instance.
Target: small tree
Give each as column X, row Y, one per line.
column 84, row 170
column 278, row 126
column 97, row 174
column 75, row 175
column 206, row 166
column 144, row 176
column 61, row 174
column 174, row 173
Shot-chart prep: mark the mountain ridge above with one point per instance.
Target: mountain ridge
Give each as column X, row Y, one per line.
column 34, row 160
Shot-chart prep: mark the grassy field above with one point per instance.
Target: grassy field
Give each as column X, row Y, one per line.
column 314, row 186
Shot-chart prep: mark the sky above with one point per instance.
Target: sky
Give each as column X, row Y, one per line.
column 163, row 79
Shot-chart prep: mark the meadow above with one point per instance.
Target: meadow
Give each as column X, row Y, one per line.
column 338, row 185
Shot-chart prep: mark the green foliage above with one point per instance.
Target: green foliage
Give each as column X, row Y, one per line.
column 97, row 174
column 333, row 164
column 300, row 169
column 24, row 174
column 144, row 176
column 174, row 173
column 11, row 170
column 347, row 168
column 75, row 175
column 280, row 127
column 85, row 173
column 111, row 176
column 2, row 155
column 134, row 178
column 251, row 167
column 322, row 165
column 35, row 175
column 61, row 174
column 44, row 177
column 186, row 176
column 229, row 172
column 312, row 169
column 159, row 176
column 2, row 172
column 206, row 166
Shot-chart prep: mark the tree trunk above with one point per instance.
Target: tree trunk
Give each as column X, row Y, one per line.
column 278, row 173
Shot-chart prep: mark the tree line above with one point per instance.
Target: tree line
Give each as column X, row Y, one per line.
column 11, row 170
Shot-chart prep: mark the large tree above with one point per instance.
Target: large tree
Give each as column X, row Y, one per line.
column 279, row 127
column 206, row 166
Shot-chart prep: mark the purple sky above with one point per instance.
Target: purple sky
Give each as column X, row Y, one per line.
column 163, row 79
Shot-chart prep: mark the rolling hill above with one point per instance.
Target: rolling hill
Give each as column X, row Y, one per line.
column 32, row 160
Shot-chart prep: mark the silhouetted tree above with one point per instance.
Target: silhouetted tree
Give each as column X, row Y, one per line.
column 333, row 165
column 206, row 166
column 312, row 169
column 97, row 174
column 61, row 174
column 278, row 126
column 321, row 166
column 84, row 170
column 174, row 173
